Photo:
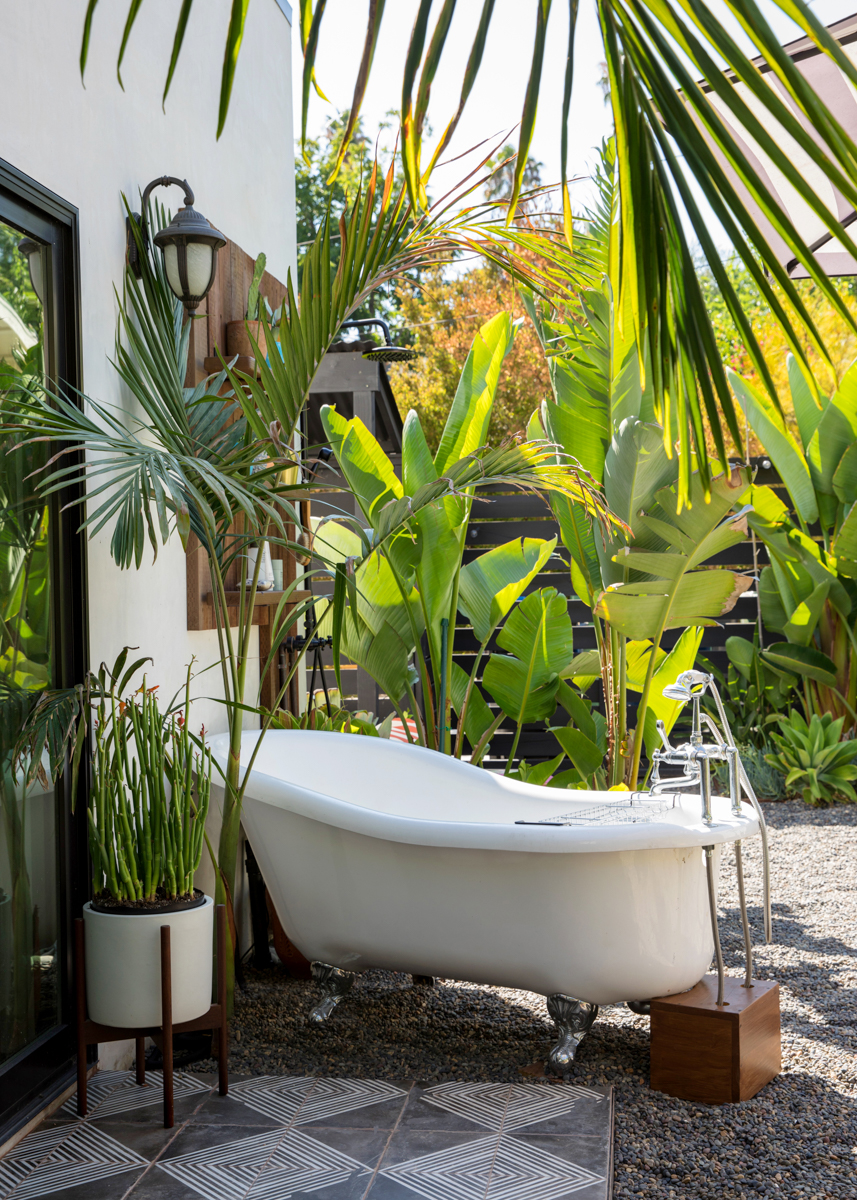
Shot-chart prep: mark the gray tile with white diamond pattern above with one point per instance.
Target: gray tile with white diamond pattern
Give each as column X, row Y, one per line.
column 290, row 1138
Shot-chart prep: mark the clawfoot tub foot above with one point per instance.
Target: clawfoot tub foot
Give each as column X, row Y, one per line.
column 335, row 985
column 573, row 1019
column 643, row 1008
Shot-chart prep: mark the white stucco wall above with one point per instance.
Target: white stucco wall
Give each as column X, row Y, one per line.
column 88, row 145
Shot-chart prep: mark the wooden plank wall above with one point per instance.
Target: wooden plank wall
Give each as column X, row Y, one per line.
column 499, row 517
column 225, row 302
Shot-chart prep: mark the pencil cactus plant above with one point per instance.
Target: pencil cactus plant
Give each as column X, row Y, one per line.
column 151, row 784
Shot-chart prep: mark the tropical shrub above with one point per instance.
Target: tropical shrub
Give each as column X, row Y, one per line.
column 767, row 781
column 148, row 801
column 813, row 756
column 650, row 576
column 753, row 691
column 331, row 717
column 808, row 593
column 413, row 587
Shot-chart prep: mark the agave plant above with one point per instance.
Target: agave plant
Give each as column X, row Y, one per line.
column 814, row 756
column 808, row 593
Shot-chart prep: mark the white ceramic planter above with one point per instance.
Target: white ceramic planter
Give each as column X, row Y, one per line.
column 123, row 965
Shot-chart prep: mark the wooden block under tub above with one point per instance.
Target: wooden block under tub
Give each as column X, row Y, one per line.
column 716, row 1055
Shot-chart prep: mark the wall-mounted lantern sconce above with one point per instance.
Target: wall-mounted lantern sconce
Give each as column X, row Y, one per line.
column 189, row 244
column 32, row 251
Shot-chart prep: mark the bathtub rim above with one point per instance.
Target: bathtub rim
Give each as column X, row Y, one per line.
column 472, row 835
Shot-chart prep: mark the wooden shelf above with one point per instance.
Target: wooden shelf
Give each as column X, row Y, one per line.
column 213, row 365
column 263, row 599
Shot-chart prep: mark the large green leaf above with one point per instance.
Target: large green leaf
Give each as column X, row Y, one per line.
column 803, row 621
column 538, row 637
column 678, row 594
column 767, row 423
column 835, row 432
column 490, row 585
column 379, row 599
column 364, row 464
column 808, row 409
column 641, row 610
column 584, row 753
column 479, row 718
column 635, row 470
column 802, row 660
column 417, row 463
column 661, row 707
column 845, row 545
column 845, row 476
column 467, row 424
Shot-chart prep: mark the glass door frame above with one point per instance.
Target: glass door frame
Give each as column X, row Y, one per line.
column 30, row 1079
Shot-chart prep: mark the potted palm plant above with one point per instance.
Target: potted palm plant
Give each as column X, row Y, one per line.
column 151, row 782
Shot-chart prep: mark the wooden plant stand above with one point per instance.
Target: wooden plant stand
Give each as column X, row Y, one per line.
column 716, row 1055
column 90, row 1032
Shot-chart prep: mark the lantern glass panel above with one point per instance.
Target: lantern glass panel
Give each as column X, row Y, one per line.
column 200, row 264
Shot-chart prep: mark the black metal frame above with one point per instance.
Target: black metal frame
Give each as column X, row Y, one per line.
column 32, row 1077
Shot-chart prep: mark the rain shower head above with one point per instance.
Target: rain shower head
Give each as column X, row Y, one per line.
column 388, row 353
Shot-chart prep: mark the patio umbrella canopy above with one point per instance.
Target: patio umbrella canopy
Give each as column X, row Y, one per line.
column 828, row 81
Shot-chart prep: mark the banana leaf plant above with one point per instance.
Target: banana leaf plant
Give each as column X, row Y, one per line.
column 395, row 613
column 808, row 593
column 649, row 575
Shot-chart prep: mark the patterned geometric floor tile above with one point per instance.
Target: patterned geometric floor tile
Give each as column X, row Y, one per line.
column 509, row 1169
column 269, row 1166
column 63, row 1157
column 281, row 1099
column 333, row 1096
column 302, row 1164
column 483, row 1103
column 111, row 1092
column 486, row 1103
column 530, row 1103
column 274, row 1096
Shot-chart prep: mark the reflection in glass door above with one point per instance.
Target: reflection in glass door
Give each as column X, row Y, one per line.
column 29, row 900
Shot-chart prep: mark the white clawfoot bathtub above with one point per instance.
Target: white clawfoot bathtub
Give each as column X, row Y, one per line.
column 381, row 854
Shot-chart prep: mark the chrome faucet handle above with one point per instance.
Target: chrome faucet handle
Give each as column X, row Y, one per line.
column 690, row 686
column 696, row 682
column 662, row 731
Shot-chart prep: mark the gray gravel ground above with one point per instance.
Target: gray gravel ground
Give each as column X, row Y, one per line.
column 796, row 1139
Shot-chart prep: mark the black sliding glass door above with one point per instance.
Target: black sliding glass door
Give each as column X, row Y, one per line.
column 42, row 645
